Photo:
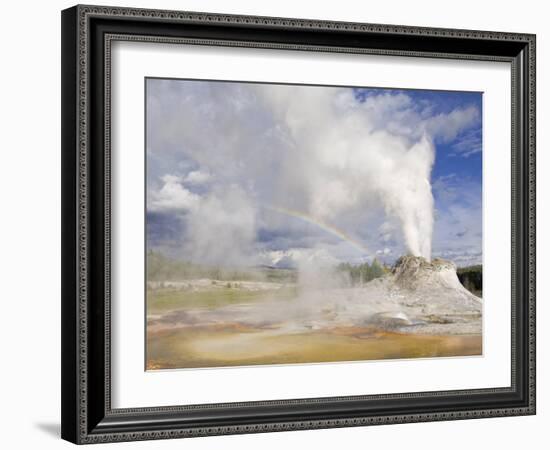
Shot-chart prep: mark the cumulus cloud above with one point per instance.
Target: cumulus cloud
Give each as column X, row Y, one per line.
column 447, row 126
column 300, row 258
column 172, row 196
column 197, row 177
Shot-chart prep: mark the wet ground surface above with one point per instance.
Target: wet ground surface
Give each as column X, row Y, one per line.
column 235, row 345
column 208, row 323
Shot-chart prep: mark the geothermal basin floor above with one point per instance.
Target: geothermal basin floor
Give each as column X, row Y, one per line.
column 223, row 346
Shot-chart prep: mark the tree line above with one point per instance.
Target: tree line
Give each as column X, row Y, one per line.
column 363, row 273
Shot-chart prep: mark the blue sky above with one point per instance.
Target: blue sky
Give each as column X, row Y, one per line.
column 246, row 174
column 448, row 158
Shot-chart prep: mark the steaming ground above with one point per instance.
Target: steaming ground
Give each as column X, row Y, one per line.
column 419, row 309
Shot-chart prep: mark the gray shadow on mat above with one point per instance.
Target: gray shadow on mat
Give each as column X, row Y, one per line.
column 53, row 429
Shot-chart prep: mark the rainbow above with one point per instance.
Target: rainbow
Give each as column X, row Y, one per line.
column 330, row 229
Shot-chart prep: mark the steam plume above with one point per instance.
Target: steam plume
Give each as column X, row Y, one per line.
column 350, row 162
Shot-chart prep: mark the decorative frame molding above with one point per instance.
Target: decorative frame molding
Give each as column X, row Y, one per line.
column 87, row 34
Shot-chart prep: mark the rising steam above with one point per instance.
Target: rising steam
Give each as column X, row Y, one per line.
column 349, row 162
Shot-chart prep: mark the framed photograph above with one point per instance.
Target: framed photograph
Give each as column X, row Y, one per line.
column 278, row 224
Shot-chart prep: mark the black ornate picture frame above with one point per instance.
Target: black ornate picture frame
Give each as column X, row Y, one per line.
column 87, row 35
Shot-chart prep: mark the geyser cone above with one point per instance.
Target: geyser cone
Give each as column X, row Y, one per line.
column 438, row 277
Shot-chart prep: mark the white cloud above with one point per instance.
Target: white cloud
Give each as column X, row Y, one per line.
column 197, row 177
column 457, row 234
column 172, row 196
column 469, row 144
column 300, row 258
column 448, row 126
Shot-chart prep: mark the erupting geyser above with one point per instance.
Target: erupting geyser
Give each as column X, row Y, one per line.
column 352, row 160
